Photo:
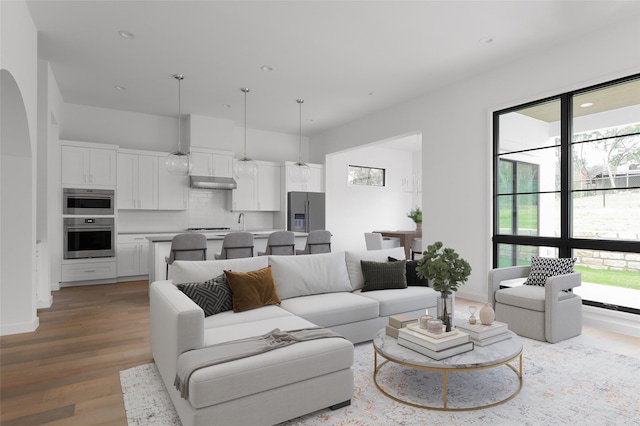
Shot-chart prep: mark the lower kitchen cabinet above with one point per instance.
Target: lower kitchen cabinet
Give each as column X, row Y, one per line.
column 132, row 255
column 88, row 270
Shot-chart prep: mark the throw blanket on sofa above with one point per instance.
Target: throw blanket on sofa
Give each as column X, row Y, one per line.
column 193, row 360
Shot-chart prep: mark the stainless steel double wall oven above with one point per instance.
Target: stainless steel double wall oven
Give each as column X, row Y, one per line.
column 88, row 223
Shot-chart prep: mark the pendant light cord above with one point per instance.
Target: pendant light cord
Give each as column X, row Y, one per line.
column 179, row 115
column 245, row 90
column 300, row 102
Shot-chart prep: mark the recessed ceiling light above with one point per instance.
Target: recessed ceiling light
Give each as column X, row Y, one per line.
column 126, row 34
column 310, row 120
column 226, row 105
column 370, row 93
column 120, row 87
column 485, row 40
column 586, row 104
column 266, row 68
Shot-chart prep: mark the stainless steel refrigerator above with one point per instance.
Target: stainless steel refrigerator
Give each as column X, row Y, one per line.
column 305, row 211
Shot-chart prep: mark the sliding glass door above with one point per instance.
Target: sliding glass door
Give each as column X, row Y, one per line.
column 567, row 184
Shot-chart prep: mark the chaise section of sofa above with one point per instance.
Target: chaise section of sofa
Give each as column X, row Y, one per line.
column 323, row 290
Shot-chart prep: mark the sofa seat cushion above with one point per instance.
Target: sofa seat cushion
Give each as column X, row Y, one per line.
column 231, row 318
column 307, row 275
column 398, row 301
column 327, row 310
column 259, row 373
column 353, row 258
column 527, row 297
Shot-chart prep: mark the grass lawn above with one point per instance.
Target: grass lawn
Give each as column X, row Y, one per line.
column 626, row 279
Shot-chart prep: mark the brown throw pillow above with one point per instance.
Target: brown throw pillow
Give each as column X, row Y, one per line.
column 252, row 289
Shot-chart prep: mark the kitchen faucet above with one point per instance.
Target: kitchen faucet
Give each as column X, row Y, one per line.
column 241, row 218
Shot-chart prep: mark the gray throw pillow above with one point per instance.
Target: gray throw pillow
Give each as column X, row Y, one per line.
column 545, row 267
column 383, row 275
column 213, row 296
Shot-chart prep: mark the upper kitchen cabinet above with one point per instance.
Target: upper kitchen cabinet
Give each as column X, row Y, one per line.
column 88, row 165
column 315, row 183
column 259, row 193
column 137, row 181
column 173, row 190
column 211, row 162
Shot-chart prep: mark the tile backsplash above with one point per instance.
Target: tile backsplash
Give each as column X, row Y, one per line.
column 207, row 208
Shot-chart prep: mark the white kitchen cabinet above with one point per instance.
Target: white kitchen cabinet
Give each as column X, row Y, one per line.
column 211, row 163
column 137, row 182
column 259, row 193
column 132, row 255
column 269, row 187
column 315, row 183
column 87, row 166
column 173, row 190
column 88, row 270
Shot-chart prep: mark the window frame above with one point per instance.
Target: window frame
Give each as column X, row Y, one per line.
column 565, row 243
column 384, row 175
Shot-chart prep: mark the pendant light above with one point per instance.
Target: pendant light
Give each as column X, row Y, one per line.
column 178, row 162
column 300, row 172
column 245, row 167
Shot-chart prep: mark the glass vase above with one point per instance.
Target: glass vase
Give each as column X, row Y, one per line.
column 445, row 309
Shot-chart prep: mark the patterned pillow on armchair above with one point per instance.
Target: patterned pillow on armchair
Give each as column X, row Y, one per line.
column 545, row 267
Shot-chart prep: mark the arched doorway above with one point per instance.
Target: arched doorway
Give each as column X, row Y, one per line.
column 17, row 254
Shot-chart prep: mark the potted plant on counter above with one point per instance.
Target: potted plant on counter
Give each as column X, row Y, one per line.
column 446, row 271
column 416, row 215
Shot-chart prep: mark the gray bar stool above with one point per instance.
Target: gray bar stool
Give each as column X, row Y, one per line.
column 236, row 245
column 317, row 242
column 187, row 247
column 280, row 243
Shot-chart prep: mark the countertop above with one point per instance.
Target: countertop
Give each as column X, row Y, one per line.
column 212, row 235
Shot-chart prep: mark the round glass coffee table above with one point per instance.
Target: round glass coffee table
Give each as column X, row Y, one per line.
column 481, row 358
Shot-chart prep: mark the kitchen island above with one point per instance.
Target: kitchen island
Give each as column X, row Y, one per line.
column 160, row 246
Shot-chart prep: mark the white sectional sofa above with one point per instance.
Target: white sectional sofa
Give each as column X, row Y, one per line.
column 315, row 290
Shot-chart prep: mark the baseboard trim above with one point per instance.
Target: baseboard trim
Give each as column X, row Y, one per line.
column 607, row 319
column 19, row 328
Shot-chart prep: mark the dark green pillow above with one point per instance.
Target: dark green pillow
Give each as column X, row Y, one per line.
column 412, row 276
column 383, row 275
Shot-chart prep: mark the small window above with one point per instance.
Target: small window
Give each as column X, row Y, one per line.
column 360, row 175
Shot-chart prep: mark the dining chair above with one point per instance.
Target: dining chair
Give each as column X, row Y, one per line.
column 375, row 241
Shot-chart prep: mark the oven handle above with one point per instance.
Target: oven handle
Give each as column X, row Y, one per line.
column 89, row 228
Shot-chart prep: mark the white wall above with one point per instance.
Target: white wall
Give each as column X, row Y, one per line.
column 353, row 210
column 455, row 122
column 269, row 146
column 18, row 154
column 127, row 129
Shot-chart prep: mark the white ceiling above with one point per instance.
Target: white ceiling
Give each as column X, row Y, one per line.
column 347, row 59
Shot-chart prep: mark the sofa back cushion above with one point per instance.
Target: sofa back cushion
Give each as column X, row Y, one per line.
column 308, row 274
column 185, row 271
column 353, row 259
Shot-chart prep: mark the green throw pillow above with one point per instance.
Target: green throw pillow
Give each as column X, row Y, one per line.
column 383, row 275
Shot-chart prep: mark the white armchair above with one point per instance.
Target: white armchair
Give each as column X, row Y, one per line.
column 542, row 313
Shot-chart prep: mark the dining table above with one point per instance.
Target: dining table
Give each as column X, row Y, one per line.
column 405, row 238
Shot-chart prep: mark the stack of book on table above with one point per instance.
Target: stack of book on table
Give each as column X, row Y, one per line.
column 436, row 346
column 483, row 335
column 396, row 322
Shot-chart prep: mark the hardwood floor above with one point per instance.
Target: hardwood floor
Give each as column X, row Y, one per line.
column 67, row 371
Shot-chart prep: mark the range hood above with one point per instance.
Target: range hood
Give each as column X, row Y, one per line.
column 212, row 182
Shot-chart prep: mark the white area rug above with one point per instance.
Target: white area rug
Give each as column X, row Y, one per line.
column 565, row 383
